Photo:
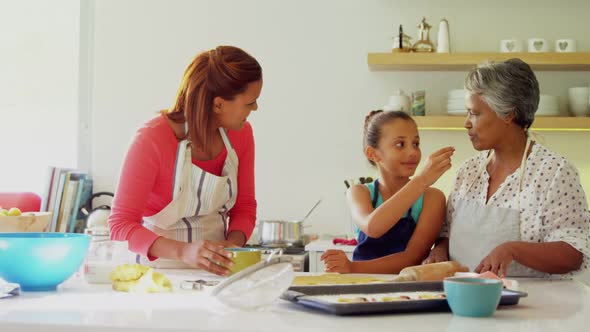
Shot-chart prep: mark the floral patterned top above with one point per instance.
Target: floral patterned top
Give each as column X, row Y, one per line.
column 552, row 204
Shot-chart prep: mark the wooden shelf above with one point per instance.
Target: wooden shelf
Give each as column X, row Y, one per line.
column 464, row 61
column 541, row 123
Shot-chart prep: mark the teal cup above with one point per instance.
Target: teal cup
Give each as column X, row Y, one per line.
column 473, row 297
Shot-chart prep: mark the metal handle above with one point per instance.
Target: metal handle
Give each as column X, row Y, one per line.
column 310, row 211
column 274, row 252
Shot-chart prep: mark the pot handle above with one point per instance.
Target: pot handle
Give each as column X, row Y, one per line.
column 278, row 251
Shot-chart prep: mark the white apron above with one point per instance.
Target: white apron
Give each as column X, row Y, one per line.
column 477, row 228
column 200, row 204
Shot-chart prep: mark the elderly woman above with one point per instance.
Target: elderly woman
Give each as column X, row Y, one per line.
column 517, row 208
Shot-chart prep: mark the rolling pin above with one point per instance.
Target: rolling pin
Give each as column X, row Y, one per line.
column 430, row 272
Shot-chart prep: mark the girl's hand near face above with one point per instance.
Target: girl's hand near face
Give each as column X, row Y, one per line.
column 437, row 164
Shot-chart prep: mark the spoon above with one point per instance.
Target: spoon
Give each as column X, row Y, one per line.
column 310, row 211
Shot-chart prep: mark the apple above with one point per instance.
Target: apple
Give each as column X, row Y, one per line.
column 14, row 212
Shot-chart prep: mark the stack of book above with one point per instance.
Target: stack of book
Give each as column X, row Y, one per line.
column 67, row 192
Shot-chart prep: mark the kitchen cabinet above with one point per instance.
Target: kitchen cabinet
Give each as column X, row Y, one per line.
column 317, row 248
column 464, row 61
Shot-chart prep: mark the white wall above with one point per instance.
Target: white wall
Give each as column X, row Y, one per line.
column 39, row 46
column 317, row 86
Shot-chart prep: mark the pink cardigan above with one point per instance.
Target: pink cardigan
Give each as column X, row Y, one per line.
column 145, row 184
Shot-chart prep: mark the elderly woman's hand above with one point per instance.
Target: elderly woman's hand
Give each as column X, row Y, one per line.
column 336, row 261
column 498, row 260
column 438, row 254
column 438, row 163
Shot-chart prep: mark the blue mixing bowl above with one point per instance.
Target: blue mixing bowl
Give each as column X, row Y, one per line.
column 41, row 261
column 473, row 297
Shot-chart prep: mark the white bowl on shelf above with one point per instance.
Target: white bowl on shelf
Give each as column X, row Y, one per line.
column 457, row 112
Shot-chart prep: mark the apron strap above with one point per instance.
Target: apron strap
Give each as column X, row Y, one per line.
column 522, row 167
column 375, row 194
column 181, row 159
column 225, row 139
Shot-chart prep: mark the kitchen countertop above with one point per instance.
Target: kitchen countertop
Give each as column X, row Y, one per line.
column 550, row 306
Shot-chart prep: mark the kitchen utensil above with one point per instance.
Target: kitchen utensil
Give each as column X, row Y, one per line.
column 98, row 216
column 197, row 284
column 41, row 261
column 311, row 210
column 402, row 42
column 103, row 256
column 8, row 289
column 26, row 222
column 243, row 257
column 283, row 233
column 473, row 297
column 399, row 101
column 443, row 45
column 419, row 103
column 510, row 46
column 423, row 44
column 565, row 45
column 430, row 272
column 538, row 45
column 578, row 100
column 280, row 233
column 258, row 285
column 316, row 298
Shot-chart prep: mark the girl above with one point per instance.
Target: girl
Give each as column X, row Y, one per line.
column 399, row 218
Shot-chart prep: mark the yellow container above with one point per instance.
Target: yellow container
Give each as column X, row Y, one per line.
column 243, row 258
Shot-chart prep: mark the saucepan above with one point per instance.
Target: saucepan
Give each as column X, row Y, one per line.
column 283, row 233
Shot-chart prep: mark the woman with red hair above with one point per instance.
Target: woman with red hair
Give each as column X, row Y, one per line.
column 186, row 189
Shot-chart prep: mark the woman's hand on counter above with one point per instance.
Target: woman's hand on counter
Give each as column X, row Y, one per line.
column 498, row 260
column 336, row 261
column 440, row 253
column 207, row 255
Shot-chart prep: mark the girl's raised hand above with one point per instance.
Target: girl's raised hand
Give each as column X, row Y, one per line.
column 437, row 164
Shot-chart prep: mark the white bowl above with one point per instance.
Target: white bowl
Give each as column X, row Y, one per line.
column 26, row 222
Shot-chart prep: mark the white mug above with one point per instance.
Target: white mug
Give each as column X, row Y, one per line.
column 537, row 45
column 510, row 45
column 578, row 100
column 565, row 45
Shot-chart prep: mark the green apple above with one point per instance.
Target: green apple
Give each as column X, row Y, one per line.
column 14, row 212
column 3, row 212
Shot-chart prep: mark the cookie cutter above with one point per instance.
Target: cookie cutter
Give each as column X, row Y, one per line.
column 197, row 284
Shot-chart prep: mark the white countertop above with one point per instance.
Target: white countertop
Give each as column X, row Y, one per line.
column 323, row 245
column 550, row 306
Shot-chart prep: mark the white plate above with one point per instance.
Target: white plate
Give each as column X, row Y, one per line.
column 457, row 112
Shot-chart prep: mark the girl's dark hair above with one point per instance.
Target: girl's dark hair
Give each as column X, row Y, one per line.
column 374, row 122
column 225, row 72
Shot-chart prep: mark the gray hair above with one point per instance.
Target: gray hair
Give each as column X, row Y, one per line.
column 508, row 86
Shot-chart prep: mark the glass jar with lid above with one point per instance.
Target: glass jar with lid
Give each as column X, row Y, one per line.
column 104, row 255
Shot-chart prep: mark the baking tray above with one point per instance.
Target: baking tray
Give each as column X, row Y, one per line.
column 304, row 295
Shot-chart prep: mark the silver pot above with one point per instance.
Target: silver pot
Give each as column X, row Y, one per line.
column 281, row 233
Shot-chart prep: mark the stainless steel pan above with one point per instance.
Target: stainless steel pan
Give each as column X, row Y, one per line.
column 283, row 233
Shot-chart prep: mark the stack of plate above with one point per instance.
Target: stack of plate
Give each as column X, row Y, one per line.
column 456, row 102
column 548, row 106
